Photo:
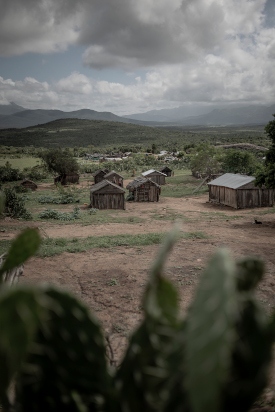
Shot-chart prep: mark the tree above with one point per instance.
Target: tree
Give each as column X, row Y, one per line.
column 59, row 161
column 238, row 161
column 205, row 161
column 267, row 175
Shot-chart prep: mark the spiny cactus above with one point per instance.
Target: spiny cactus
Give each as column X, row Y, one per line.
column 65, row 365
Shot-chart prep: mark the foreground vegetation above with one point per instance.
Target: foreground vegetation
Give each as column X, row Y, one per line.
column 215, row 358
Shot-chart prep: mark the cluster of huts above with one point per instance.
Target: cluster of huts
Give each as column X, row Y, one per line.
column 234, row 190
column 108, row 191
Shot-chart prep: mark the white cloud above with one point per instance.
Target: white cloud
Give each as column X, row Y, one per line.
column 75, row 83
column 192, row 50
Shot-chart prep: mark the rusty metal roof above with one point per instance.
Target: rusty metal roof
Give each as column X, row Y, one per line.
column 232, row 181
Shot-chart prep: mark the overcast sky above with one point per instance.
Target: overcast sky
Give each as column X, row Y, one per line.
column 129, row 56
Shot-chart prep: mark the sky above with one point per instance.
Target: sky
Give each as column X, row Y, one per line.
column 132, row 56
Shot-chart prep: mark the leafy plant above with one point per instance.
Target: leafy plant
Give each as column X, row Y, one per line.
column 9, row 174
column 15, row 205
column 214, row 359
column 54, row 214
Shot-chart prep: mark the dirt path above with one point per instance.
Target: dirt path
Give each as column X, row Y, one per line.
column 111, row 281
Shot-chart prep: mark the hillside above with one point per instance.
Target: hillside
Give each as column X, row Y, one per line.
column 13, row 116
column 83, row 133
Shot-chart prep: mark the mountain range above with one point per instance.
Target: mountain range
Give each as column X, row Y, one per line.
column 15, row 116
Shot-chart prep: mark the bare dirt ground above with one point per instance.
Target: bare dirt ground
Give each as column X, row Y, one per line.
column 111, row 281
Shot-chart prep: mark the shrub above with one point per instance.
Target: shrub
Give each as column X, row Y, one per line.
column 14, row 205
column 9, row 174
column 36, row 173
column 54, row 214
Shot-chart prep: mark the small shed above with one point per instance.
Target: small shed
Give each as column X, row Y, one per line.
column 67, row 178
column 155, row 176
column 239, row 191
column 29, row 184
column 144, row 190
column 114, row 177
column 99, row 175
column 107, row 195
column 167, row 171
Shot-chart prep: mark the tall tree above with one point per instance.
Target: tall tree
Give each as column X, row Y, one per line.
column 267, row 176
column 59, row 161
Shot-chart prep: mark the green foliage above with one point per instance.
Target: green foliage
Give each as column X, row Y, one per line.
column 54, row 214
column 14, row 204
column 22, row 248
column 214, row 359
column 65, row 196
column 238, row 161
column 9, row 174
column 266, row 177
column 127, row 136
column 37, row 172
column 205, row 161
column 59, row 161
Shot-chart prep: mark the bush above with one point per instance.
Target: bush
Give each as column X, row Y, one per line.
column 36, row 173
column 14, row 205
column 215, row 358
column 9, row 174
column 54, row 214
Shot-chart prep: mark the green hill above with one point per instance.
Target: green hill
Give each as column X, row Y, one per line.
column 82, row 133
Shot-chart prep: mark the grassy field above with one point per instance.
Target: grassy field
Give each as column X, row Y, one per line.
column 20, row 163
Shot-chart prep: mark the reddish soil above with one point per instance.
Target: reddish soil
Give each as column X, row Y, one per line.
column 111, row 281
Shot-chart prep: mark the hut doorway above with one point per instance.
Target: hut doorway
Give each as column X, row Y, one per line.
column 152, row 194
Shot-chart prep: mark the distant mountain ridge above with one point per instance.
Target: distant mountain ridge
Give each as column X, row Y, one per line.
column 15, row 116
column 211, row 116
column 26, row 117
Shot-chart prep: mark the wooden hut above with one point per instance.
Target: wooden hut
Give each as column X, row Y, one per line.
column 29, row 184
column 239, row 191
column 67, row 178
column 144, row 190
column 107, row 195
column 155, row 176
column 99, row 175
column 114, row 177
column 167, row 171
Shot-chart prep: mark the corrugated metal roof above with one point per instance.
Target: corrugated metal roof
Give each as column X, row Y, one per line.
column 148, row 172
column 232, row 181
column 102, row 184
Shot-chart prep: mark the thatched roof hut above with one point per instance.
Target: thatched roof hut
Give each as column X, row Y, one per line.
column 107, row 195
column 239, row 191
column 155, row 176
column 114, row 177
column 144, row 190
column 29, row 184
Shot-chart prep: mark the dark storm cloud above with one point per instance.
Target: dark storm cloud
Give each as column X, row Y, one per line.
column 39, row 26
column 130, row 34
